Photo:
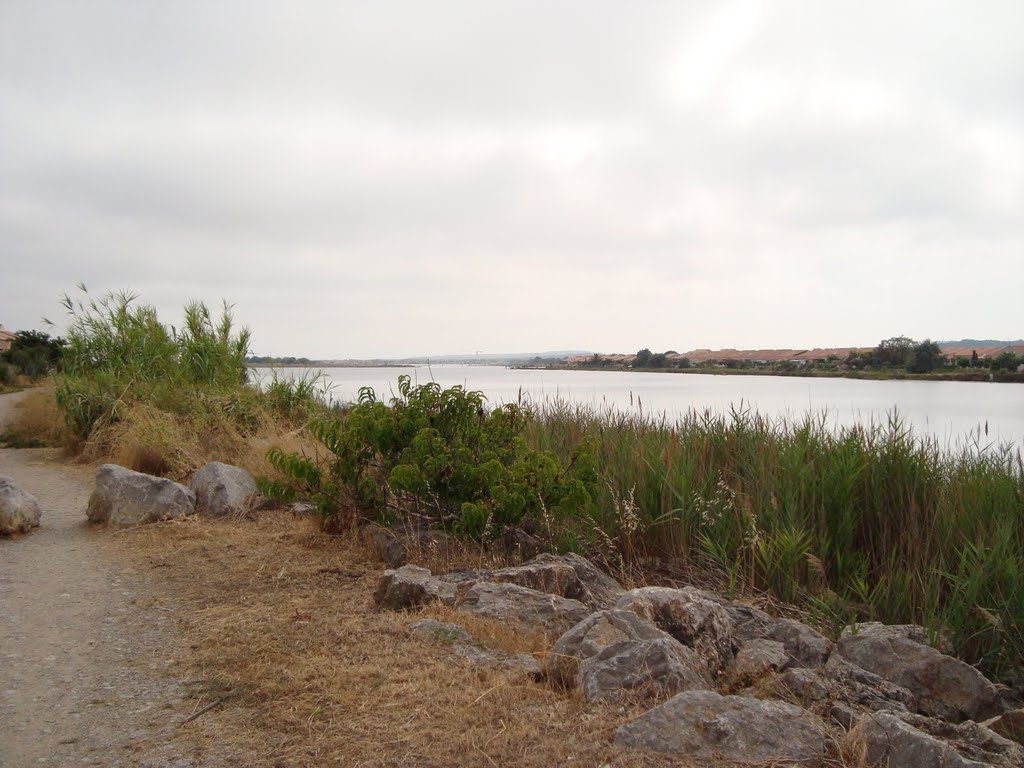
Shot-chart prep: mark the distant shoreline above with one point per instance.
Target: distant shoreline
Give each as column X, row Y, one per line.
column 982, row 375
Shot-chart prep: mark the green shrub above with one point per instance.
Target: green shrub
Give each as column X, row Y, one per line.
column 441, row 454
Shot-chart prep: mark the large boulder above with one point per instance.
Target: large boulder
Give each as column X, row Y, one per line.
column 704, row 725
column 553, row 613
column 640, row 668
column 124, row 497
column 912, row 741
column 591, row 636
column 19, row 510
column 569, row 575
column 410, row 587
column 222, row 489
column 692, row 616
column 944, row 686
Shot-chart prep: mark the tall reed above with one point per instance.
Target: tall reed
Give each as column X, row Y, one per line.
column 867, row 522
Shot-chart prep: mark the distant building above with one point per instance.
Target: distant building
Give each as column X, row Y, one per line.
column 6, row 338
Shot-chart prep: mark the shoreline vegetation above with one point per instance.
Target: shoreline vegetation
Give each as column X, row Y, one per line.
column 897, row 358
column 852, row 524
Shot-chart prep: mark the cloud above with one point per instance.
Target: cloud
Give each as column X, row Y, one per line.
column 398, row 177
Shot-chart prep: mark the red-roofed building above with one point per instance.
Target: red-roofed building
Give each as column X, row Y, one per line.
column 6, row 338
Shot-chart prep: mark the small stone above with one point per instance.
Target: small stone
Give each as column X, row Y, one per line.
column 510, row 601
column 755, row 659
column 410, row 587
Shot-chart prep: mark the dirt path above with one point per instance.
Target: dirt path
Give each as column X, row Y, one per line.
column 84, row 655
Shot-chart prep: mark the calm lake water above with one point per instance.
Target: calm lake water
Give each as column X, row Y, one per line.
column 954, row 412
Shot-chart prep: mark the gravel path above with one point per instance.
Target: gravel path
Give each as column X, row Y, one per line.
column 85, row 650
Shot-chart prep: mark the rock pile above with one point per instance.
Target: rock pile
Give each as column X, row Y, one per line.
column 741, row 685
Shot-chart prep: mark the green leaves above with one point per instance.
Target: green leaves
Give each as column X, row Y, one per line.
column 442, row 453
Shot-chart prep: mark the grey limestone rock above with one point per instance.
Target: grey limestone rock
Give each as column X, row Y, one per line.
column 222, row 489
column 807, row 646
column 944, row 686
column 124, row 497
column 554, row 613
column 705, row 725
column 591, row 636
column 19, row 510
column 410, row 587
column 570, row 576
column 913, row 741
column 694, row 617
column 756, row 659
column 866, row 689
column 640, row 668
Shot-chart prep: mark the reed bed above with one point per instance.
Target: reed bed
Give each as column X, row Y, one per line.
column 866, row 523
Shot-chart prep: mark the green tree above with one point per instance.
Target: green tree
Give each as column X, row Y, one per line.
column 643, row 358
column 893, row 352
column 34, row 353
column 924, row 357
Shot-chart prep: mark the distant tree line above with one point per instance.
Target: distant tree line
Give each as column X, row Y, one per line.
column 263, row 360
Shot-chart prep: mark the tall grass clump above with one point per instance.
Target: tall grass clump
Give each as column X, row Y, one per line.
column 119, row 351
column 160, row 398
column 856, row 523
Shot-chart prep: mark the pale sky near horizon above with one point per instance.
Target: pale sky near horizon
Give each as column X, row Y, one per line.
column 403, row 178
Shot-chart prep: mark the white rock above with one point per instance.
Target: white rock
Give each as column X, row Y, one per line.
column 123, row 497
column 222, row 489
column 19, row 510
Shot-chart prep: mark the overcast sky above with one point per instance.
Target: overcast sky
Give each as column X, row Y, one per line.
column 395, row 178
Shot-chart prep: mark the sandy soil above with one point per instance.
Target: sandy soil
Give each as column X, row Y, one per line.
column 84, row 651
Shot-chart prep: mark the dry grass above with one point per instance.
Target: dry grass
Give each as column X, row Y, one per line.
column 280, row 617
column 36, row 421
column 162, row 443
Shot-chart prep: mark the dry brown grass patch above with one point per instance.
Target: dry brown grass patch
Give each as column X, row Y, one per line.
column 278, row 618
column 36, row 421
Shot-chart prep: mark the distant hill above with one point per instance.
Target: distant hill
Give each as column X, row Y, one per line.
column 489, row 358
column 478, row 358
column 981, row 343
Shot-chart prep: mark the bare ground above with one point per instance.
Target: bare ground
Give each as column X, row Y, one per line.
column 83, row 659
column 264, row 630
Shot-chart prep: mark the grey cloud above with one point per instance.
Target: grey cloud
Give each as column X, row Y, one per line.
column 482, row 175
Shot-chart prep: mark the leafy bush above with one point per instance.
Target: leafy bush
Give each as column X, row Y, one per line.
column 438, row 453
